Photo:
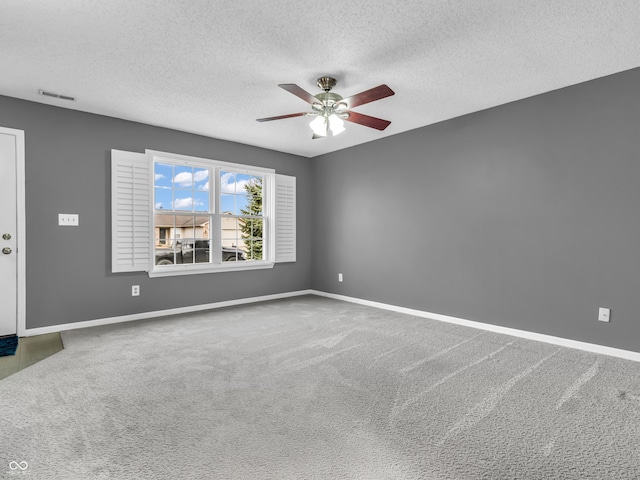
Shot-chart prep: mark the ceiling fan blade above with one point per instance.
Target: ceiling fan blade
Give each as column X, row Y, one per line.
column 299, row 92
column 367, row 121
column 280, row 117
column 371, row 95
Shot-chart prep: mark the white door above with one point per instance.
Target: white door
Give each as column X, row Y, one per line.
column 8, row 233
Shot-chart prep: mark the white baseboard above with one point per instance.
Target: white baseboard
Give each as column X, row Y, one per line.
column 564, row 342
column 159, row 313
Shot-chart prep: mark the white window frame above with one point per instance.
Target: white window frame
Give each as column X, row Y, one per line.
column 268, row 228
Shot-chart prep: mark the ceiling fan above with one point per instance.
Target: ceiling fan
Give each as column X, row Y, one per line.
column 330, row 109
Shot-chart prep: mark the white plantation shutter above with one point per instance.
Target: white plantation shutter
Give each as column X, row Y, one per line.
column 130, row 211
column 285, row 218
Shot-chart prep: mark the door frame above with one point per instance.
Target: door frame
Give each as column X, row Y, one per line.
column 21, row 244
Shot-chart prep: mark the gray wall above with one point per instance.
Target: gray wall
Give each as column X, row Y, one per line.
column 526, row 215
column 69, row 275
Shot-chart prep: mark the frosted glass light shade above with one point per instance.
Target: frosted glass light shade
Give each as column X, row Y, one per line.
column 319, row 126
column 336, row 124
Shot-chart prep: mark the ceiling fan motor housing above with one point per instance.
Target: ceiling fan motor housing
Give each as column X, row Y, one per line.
column 330, row 105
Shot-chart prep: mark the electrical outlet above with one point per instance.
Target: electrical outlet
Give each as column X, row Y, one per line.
column 135, row 290
column 339, row 277
column 604, row 314
column 68, row 219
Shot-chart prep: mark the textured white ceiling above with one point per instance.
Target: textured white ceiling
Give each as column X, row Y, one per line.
column 212, row 67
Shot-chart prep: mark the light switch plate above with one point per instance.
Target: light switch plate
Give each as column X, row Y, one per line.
column 604, row 314
column 68, row 219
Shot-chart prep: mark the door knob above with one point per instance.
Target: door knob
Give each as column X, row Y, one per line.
column 6, row 236
column 6, row 250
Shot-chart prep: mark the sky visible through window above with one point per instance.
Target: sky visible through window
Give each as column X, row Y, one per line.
column 185, row 188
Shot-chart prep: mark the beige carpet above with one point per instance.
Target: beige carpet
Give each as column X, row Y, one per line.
column 313, row 388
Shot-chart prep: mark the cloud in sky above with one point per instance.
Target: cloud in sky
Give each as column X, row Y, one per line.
column 228, row 185
column 186, row 179
column 159, row 176
column 181, row 203
column 201, row 175
column 183, row 179
column 185, row 203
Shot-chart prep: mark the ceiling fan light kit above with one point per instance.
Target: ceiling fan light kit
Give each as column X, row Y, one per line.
column 322, row 125
column 330, row 109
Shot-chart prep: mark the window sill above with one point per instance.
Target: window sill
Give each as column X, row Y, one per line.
column 176, row 270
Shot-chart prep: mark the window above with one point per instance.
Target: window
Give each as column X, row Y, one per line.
column 242, row 219
column 163, row 234
column 198, row 216
column 182, row 214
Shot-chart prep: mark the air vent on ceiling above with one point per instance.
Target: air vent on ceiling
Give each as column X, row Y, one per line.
column 56, row 95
